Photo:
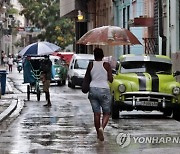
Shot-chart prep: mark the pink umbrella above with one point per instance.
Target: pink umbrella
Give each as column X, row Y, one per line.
column 108, row 35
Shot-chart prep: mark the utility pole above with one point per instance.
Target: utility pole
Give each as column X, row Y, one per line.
column 168, row 29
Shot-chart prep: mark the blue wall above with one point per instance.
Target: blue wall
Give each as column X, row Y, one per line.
column 118, row 21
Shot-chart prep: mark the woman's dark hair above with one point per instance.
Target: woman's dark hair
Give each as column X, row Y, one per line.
column 98, row 53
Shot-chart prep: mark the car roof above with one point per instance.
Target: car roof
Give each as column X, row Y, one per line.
column 83, row 56
column 65, row 53
column 153, row 58
column 54, row 57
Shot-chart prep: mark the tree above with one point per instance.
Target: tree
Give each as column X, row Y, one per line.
column 44, row 14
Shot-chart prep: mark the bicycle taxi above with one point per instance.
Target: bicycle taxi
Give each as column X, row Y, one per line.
column 32, row 75
column 33, row 56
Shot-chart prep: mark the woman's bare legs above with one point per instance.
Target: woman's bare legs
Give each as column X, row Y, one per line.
column 105, row 119
column 97, row 123
column 98, row 126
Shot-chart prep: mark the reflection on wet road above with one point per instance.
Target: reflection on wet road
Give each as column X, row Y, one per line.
column 67, row 127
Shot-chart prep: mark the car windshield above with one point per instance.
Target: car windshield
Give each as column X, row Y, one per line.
column 56, row 61
column 145, row 66
column 81, row 63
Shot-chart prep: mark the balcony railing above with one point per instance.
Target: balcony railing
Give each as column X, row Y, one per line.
column 151, row 46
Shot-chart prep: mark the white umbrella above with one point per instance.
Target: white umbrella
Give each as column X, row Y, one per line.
column 39, row 49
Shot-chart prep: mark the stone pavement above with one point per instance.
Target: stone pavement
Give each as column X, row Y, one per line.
column 9, row 106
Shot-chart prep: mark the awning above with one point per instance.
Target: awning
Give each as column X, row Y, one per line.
column 69, row 8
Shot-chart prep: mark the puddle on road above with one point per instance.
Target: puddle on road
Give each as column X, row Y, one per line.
column 45, row 151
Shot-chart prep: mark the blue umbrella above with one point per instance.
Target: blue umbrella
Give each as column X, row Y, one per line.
column 39, row 49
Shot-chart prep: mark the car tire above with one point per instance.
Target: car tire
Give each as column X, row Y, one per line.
column 72, row 85
column 167, row 112
column 64, row 82
column 114, row 110
column 69, row 84
column 59, row 83
column 176, row 112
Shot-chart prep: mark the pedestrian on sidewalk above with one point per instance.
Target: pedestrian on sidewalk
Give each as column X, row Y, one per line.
column 99, row 93
column 46, row 78
column 2, row 57
column 10, row 63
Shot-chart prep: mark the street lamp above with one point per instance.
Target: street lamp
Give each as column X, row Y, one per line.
column 80, row 15
column 83, row 15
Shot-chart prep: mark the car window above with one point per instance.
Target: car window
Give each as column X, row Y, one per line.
column 81, row 63
column 144, row 66
column 56, row 61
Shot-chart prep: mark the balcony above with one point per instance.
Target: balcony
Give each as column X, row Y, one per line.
column 142, row 21
column 142, row 13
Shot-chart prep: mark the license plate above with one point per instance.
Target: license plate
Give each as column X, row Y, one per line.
column 148, row 103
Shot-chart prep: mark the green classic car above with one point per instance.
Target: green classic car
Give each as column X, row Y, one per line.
column 145, row 82
column 59, row 70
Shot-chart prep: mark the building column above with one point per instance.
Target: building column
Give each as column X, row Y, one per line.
column 175, row 35
column 81, row 29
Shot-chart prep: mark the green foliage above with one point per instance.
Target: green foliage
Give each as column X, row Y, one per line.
column 12, row 11
column 44, row 14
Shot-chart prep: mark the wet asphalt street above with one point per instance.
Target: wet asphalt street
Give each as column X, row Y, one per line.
column 67, row 127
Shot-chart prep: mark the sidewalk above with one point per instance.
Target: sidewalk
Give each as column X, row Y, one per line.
column 8, row 104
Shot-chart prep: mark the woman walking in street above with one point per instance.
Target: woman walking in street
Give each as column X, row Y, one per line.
column 99, row 94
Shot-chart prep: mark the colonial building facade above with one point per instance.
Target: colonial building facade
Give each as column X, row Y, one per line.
column 96, row 13
column 156, row 23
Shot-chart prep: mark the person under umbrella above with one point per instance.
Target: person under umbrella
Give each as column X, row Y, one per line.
column 39, row 49
column 99, row 93
column 46, row 78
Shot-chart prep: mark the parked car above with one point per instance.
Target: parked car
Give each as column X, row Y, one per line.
column 59, row 70
column 66, row 56
column 77, row 69
column 145, row 82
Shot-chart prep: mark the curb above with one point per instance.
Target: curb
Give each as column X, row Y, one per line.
column 9, row 110
column 17, row 111
column 9, row 89
column 15, row 105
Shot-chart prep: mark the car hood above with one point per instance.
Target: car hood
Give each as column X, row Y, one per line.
column 147, row 82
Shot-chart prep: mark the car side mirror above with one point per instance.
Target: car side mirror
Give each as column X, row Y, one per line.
column 114, row 71
column 117, row 66
column 176, row 73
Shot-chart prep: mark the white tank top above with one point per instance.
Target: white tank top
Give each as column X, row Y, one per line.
column 99, row 75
